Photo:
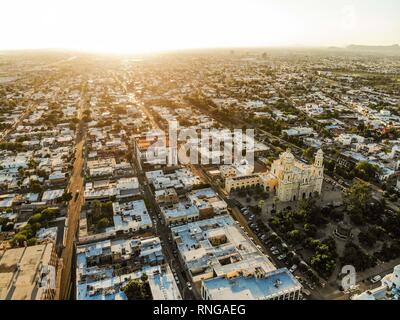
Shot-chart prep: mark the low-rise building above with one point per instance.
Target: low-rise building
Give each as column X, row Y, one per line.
column 166, row 196
column 299, row 131
column 217, row 247
column 181, row 179
column 104, row 269
column 208, row 202
column 348, row 139
column 28, row 273
column 254, row 284
column 105, row 190
column 388, row 290
column 130, row 217
column 181, row 212
column 242, row 182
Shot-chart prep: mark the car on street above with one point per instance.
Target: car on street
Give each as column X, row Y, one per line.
column 375, row 279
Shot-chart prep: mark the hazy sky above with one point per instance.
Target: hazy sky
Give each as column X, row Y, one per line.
column 148, row 25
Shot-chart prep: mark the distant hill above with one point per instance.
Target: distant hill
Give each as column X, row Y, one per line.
column 384, row 49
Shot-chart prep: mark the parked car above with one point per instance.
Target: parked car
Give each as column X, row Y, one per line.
column 375, row 279
column 282, row 257
column 275, row 252
column 273, row 248
column 189, row 285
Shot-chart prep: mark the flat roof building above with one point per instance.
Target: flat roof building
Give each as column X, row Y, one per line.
column 275, row 285
column 28, row 273
column 130, row 216
column 104, row 268
column 180, row 179
column 208, row 202
column 217, row 247
column 388, row 290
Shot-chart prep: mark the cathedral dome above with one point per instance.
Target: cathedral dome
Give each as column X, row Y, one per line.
column 287, row 156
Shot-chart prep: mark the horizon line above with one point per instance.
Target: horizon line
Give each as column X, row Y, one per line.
column 176, row 50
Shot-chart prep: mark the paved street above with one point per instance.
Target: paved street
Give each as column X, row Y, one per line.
column 74, row 209
column 162, row 231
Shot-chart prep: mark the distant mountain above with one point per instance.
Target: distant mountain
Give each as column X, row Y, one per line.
column 389, row 49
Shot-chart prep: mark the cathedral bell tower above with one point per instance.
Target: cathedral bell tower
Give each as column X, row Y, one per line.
column 319, row 171
column 319, row 159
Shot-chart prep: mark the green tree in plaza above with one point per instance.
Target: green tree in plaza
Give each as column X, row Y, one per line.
column 367, row 239
column 354, row 255
column 310, row 229
column 357, row 198
column 295, row 236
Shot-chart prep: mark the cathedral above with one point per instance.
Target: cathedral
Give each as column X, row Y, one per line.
column 293, row 180
column 289, row 179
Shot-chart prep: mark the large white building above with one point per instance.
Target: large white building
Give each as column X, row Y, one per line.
column 289, row 178
column 217, row 247
column 294, row 180
column 225, row 262
column 254, row 285
column 388, row 290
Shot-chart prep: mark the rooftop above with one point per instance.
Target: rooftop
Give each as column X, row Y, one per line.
column 270, row 285
column 100, row 275
column 218, row 245
column 26, row 272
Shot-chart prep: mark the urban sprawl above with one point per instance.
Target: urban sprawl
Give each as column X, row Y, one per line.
column 93, row 208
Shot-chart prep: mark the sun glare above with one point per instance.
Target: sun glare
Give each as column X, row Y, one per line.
column 151, row 25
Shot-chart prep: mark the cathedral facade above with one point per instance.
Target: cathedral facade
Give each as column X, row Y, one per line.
column 293, row 180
